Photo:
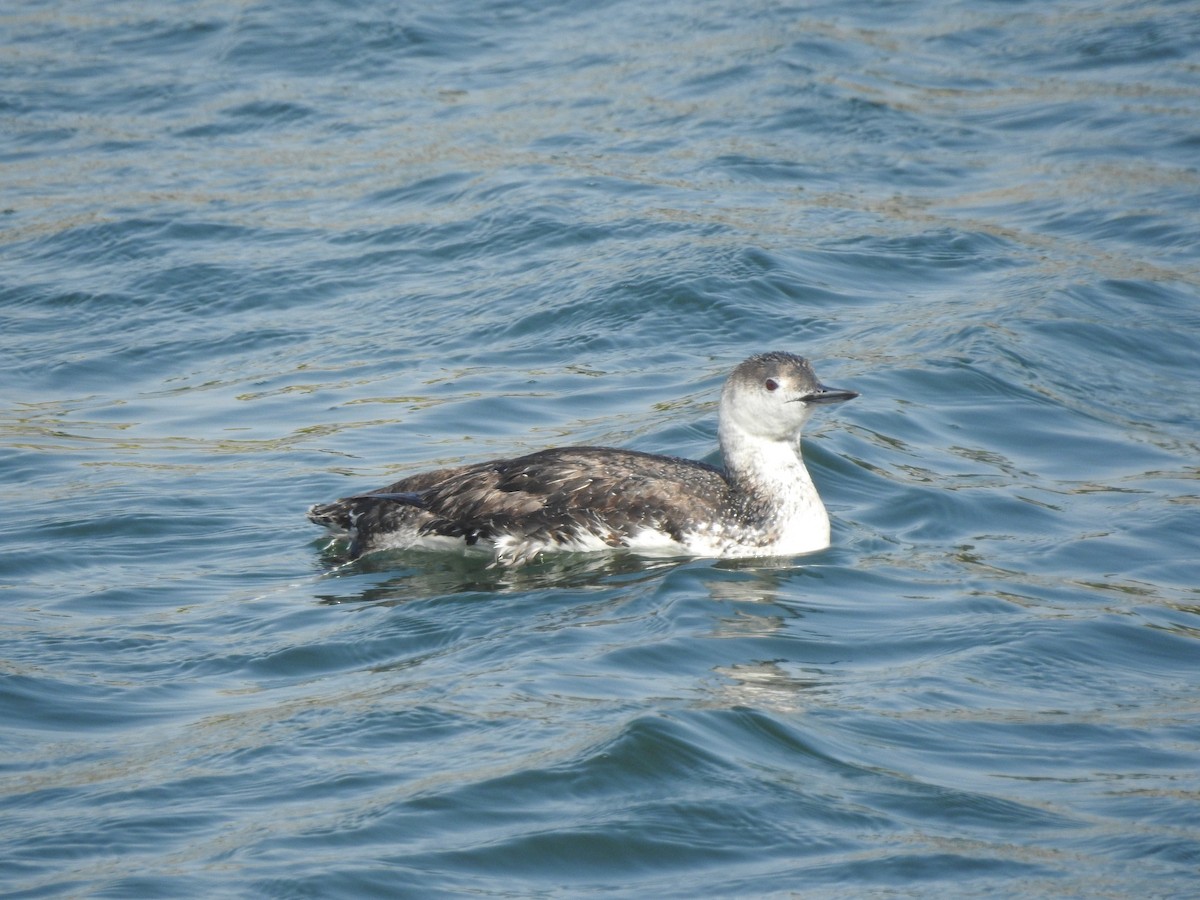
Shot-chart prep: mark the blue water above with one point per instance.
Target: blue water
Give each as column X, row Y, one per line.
column 255, row 256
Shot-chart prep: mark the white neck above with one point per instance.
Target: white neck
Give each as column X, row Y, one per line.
column 772, row 471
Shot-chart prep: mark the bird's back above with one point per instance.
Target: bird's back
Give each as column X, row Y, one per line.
column 572, row 498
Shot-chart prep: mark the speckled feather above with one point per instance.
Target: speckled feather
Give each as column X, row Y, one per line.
column 591, row 498
column 545, row 497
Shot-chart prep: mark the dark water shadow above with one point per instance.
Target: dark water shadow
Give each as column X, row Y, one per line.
column 424, row 574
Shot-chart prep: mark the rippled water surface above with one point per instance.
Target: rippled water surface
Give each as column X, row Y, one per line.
column 259, row 255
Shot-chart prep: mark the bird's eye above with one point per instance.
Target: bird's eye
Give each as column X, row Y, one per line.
column 771, row 384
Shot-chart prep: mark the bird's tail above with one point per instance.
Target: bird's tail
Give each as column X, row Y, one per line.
column 343, row 514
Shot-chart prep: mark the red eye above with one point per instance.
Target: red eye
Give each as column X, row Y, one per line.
column 771, row 384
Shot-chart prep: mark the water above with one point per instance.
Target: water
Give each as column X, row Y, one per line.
column 259, row 256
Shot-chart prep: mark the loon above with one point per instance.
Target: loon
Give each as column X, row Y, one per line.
column 570, row 499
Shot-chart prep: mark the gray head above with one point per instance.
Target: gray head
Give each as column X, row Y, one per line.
column 771, row 395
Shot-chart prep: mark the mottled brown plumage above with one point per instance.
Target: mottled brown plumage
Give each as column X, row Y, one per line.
column 588, row 498
column 545, row 497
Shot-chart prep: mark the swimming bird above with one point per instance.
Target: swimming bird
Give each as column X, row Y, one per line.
column 763, row 503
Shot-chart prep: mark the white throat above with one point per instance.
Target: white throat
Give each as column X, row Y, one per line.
column 772, row 470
